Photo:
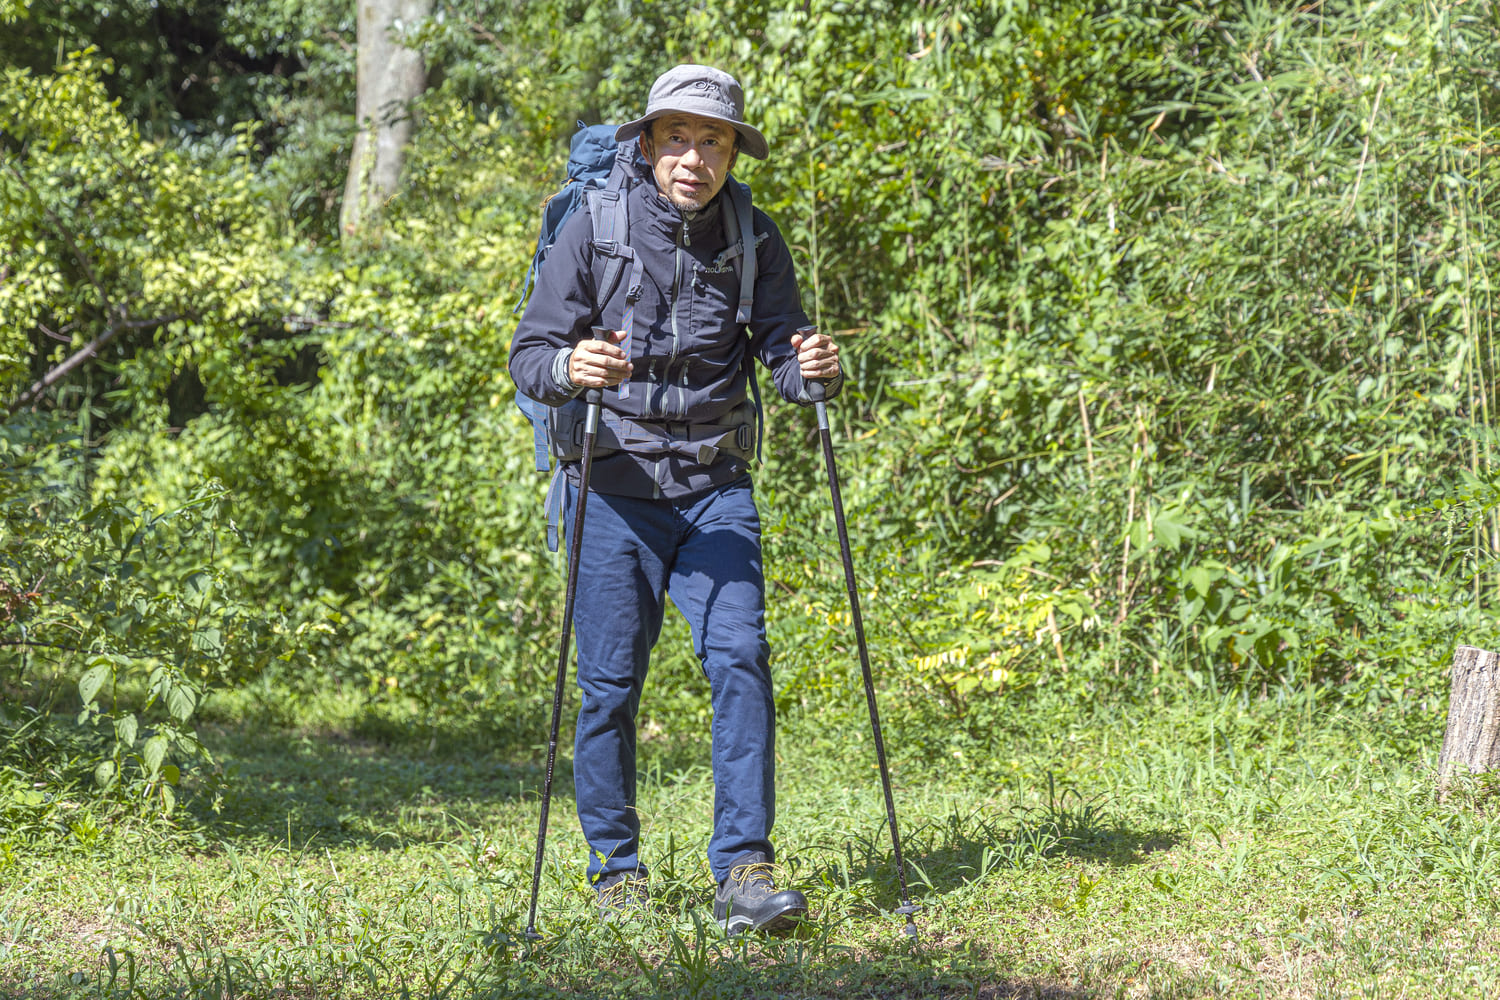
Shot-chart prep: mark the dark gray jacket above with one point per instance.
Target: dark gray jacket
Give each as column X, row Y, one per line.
column 692, row 360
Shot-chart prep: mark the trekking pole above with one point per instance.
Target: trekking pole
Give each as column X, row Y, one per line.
column 593, row 397
column 818, row 394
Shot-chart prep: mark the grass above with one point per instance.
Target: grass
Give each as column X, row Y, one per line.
column 1206, row 846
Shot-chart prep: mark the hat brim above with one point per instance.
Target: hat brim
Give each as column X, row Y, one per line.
column 752, row 143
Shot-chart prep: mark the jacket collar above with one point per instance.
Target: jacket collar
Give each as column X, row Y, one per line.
column 667, row 219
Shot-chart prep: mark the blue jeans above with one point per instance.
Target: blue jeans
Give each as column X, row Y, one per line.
column 703, row 551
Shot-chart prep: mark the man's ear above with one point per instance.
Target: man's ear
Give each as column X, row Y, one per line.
column 734, row 157
column 646, row 145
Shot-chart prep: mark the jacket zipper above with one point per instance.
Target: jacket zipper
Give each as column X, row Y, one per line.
column 682, row 244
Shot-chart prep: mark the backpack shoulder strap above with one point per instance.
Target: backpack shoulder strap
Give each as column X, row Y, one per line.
column 611, row 229
column 612, row 242
column 739, row 224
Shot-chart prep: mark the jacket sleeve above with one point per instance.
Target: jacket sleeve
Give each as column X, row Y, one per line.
column 777, row 314
column 559, row 314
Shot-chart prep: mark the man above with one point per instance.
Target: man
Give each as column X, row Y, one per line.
column 671, row 507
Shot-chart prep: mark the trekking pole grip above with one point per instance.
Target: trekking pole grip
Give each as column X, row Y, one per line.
column 816, row 390
column 595, row 396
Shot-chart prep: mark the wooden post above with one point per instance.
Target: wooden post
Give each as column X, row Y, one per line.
column 1472, row 742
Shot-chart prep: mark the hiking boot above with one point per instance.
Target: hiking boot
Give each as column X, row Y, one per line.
column 749, row 901
column 621, row 893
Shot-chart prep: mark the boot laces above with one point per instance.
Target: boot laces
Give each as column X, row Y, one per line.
column 758, row 878
column 624, row 890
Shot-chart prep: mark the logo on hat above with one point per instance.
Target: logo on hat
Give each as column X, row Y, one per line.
column 710, row 90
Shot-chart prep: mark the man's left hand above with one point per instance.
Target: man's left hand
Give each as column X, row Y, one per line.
column 817, row 356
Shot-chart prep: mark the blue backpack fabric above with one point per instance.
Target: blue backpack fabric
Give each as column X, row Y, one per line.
column 591, row 160
column 598, row 168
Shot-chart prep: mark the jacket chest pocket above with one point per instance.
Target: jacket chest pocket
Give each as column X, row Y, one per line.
column 714, row 293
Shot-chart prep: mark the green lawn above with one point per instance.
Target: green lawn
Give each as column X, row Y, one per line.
column 1275, row 847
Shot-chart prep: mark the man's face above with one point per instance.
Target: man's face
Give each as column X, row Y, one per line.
column 691, row 157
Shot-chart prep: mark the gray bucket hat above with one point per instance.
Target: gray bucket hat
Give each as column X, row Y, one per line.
column 699, row 90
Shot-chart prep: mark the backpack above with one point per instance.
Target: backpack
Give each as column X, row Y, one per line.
column 598, row 171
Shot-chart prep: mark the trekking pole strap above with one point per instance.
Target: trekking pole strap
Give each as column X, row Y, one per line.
column 555, row 490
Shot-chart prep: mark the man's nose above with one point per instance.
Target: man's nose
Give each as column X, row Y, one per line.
column 692, row 157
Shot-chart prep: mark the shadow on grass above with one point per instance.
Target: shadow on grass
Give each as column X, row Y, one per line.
column 947, row 854
column 384, row 784
column 693, row 967
column 693, row 962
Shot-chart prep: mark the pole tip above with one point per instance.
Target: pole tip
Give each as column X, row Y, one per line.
column 908, row 909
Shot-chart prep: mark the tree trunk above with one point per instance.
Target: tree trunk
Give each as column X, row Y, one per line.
column 388, row 77
column 1472, row 742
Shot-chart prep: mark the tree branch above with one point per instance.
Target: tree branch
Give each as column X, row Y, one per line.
column 40, row 645
column 84, row 354
column 58, row 335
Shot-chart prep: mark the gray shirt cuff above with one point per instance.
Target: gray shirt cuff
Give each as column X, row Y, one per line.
column 560, row 371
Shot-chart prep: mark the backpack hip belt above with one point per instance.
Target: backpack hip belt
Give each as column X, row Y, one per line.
column 701, row 443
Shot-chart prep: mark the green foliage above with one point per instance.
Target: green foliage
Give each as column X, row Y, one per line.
column 195, row 69
column 1193, row 332
column 1164, row 325
column 100, row 589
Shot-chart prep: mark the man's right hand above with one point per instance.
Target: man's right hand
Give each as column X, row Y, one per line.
column 597, row 364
